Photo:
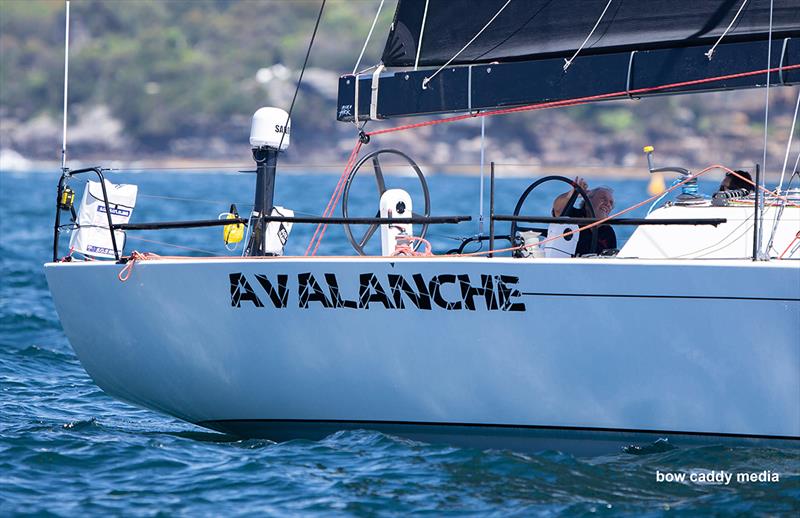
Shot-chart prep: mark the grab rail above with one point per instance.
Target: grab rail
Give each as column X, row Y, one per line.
column 613, row 221
column 57, row 226
column 163, row 225
column 159, row 225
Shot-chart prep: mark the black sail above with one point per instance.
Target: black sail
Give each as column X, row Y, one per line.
column 528, row 29
column 638, row 48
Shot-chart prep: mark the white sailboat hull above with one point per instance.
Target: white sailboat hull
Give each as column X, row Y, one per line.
column 624, row 350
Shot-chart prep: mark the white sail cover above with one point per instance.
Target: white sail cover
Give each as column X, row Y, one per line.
column 93, row 238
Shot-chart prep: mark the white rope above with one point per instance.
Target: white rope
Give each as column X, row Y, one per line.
column 373, row 100
column 365, row 70
column 428, row 79
column 421, row 32
column 355, row 102
column 779, row 212
column 374, row 21
column 66, row 85
column 710, row 52
column 789, row 144
column 760, row 236
column 568, row 62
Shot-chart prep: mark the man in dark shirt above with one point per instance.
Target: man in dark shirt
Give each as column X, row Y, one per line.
column 732, row 182
column 602, row 200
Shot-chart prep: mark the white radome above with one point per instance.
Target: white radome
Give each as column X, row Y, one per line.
column 271, row 128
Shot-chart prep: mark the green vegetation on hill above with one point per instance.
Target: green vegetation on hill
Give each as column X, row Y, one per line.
column 169, row 68
column 181, row 78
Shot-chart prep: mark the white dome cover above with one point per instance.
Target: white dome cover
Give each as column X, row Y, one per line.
column 271, row 127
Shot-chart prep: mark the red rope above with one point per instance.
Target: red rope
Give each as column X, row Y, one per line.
column 337, row 193
column 625, row 211
column 319, row 232
column 125, row 273
column 581, row 100
column 795, row 240
column 405, row 246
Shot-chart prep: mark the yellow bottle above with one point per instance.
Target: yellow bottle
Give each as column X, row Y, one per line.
column 234, row 232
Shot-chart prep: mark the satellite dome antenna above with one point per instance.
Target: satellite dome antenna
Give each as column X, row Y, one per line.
column 269, row 135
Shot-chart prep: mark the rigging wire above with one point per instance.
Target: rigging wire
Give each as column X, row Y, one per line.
column 519, row 247
column 302, row 71
column 317, row 237
column 779, row 212
column 738, row 232
column 369, row 35
column 195, row 200
column 568, row 62
column 66, row 88
column 156, row 169
column 710, row 52
column 620, row 213
column 760, row 235
column 428, row 79
column 172, row 245
column 294, row 97
column 795, row 240
column 421, row 32
column 789, row 143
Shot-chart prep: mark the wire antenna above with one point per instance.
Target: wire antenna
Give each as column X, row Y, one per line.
column 66, row 86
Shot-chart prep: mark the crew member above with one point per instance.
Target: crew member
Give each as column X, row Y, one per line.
column 602, row 200
column 732, row 182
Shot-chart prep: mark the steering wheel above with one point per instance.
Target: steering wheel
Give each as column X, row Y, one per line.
column 359, row 244
column 577, row 191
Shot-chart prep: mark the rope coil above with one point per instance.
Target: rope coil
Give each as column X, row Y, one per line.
column 405, row 246
column 125, row 273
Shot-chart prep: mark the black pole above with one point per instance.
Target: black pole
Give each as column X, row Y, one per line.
column 108, row 213
column 162, row 225
column 613, row 221
column 56, row 229
column 491, row 211
column 755, row 214
column 266, row 163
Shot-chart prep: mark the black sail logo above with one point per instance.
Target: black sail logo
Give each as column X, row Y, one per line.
column 450, row 292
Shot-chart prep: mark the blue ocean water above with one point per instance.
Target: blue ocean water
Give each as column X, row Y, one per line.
column 66, row 448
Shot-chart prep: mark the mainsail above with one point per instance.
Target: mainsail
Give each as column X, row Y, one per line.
column 534, row 29
column 501, row 53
